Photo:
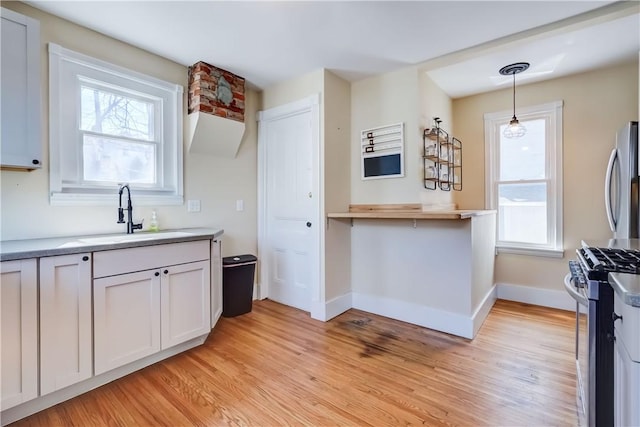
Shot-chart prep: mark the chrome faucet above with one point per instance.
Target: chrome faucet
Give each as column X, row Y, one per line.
column 130, row 225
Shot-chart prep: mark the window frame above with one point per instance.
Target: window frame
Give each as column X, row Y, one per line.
column 552, row 113
column 68, row 72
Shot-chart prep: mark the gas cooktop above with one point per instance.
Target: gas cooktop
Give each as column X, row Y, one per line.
column 611, row 259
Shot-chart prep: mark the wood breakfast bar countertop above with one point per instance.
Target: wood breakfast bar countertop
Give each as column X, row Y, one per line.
column 431, row 268
column 411, row 214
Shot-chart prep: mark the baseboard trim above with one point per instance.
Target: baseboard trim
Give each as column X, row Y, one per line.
column 483, row 309
column 338, row 305
column 432, row 318
column 537, row 296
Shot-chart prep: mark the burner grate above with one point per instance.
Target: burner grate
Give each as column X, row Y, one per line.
column 615, row 260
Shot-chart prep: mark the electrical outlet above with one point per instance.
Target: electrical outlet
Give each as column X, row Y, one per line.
column 239, row 205
column 193, row 205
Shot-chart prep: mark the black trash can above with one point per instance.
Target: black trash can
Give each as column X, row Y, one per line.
column 237, row 284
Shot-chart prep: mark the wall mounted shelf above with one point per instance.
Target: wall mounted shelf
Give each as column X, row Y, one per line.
column 442, row 159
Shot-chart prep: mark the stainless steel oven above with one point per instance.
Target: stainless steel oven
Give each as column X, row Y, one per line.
column 588, row 284
column 578, row 293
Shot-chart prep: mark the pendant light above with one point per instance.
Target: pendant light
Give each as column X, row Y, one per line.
column 515, row 128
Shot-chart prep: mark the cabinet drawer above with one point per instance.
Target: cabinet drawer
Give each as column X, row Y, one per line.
column 121, row 261
column 628, row 327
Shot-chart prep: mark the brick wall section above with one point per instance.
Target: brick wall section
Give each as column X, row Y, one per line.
column 215, row 91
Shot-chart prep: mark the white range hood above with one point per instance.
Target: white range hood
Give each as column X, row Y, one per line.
column 214, row 135
column 215, row 122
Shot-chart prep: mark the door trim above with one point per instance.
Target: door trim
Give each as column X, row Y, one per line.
column 309, row 104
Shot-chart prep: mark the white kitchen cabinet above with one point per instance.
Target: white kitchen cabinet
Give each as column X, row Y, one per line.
column 19, row 332
column 626, row 365
column 20, row 112
column 216, row 281
column 126, row 315
column 65, row 321
column 137, row 314
column 627, row 387
column 185, row 302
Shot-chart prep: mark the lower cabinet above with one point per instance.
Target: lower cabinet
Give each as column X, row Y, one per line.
column 18, row 332
column 139, row 314
column 216, row 281
column 627, row 387
column 65, row 321
column 126, row 318
column 626, row 365
column 185, row 302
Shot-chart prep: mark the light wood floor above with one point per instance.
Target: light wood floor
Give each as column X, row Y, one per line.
column 275, row 366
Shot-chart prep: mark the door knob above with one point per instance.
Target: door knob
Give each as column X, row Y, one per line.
column 308, row 224
column 615, row 316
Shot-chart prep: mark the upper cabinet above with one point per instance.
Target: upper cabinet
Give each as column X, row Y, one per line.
column 20, row 138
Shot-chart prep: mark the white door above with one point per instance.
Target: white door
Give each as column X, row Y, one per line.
column 290, row 203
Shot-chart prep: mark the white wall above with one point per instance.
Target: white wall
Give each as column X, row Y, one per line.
column 217, row 183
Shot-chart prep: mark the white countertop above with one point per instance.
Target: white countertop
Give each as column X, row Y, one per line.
column 627, row 286
column 34, row 248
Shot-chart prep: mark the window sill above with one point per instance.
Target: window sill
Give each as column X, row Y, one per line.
column 539, row 252
column 66, row 199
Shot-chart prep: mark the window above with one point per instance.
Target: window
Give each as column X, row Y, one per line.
column 524, row 180
column 110, row 125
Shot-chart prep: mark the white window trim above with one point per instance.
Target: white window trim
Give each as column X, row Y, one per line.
column 174, row 139
column 492, row 121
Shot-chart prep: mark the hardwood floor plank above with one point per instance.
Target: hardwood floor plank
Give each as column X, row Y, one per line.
column 275, row 366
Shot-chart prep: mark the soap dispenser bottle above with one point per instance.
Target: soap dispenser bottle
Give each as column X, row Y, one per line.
column 153, row 224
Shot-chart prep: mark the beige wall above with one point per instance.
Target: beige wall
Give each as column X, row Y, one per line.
column 434, row 102
column 337, row 193
column 293, row 90
column 217, row 182
column 596, row 105
column 406, row 96
column 335, row 125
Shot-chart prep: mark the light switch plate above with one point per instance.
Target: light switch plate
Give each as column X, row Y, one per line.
column 193, row 205
column 239, row 205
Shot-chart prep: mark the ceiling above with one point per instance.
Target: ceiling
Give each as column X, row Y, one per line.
column 461, row 44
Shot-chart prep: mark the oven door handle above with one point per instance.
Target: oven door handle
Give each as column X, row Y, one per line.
column 575, row 294
column 607, row 189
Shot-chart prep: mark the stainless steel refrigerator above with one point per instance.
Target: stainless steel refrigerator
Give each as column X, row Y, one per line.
column 622, row 186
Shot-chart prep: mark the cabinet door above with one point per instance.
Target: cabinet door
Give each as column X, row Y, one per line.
column 65, row 321
column 20, row 143
column 627, row 386
column 18, row 332
column 126, row 310
column 216, row 281
column 186, row 302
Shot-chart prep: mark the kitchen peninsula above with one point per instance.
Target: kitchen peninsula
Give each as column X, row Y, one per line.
column 430, row 268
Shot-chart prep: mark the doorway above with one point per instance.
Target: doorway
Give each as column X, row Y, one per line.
column 289, row 203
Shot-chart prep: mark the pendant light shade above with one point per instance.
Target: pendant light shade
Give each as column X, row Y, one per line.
column 515, row 128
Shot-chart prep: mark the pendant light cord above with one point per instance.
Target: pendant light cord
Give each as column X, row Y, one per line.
column 514, row 94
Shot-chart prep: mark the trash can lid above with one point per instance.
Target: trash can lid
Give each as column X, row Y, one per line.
column 239, row 259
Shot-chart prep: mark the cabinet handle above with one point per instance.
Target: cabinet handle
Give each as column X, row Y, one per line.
column 615, row 316
column 35, row 161
column 156, row 274
column 85, row 258
column 166, row 272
